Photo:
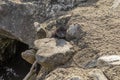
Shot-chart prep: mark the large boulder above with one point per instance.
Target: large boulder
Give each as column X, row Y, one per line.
column 17, row 17
column 17, row 20
column 52, row 53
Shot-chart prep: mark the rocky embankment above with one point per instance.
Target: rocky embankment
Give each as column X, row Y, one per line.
column 68, row 39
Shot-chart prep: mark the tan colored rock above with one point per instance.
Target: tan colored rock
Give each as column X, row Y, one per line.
column 56, row 27
column 46, row 42
column 97, row 75
column 52, row 53
column 29, row 55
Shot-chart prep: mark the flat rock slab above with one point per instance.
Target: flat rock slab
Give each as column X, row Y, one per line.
column 53, row 50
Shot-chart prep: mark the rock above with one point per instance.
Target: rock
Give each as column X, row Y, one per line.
column 53, row 8
column 16, row 19
column 29, row 55
column 108, row 60
column 74, row 32
column 97, row 75
column 41, row 33
column 52, row 53
column 46, row 42
column 70, row 4
column 53, row 28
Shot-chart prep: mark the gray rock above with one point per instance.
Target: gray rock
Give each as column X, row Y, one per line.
column 46, row 42
column 16, row 19
column 52, row 28
column 74, row 32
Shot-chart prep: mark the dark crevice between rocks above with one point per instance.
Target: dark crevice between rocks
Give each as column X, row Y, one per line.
column 14, row 67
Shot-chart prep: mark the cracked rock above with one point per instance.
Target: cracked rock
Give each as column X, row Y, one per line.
column 52, row 53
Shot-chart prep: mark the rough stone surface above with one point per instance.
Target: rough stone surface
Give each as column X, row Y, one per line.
column 97, row 75
column 29, row 55
column 74, row 32
column 17, row 21
column 53, row 53
column 100, row 25
column 56, row 50
column 93, row 27
column 17, row 17
column 52, row 28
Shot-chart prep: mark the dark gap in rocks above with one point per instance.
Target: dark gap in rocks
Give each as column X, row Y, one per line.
column 14, row 68
column 60, row 33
